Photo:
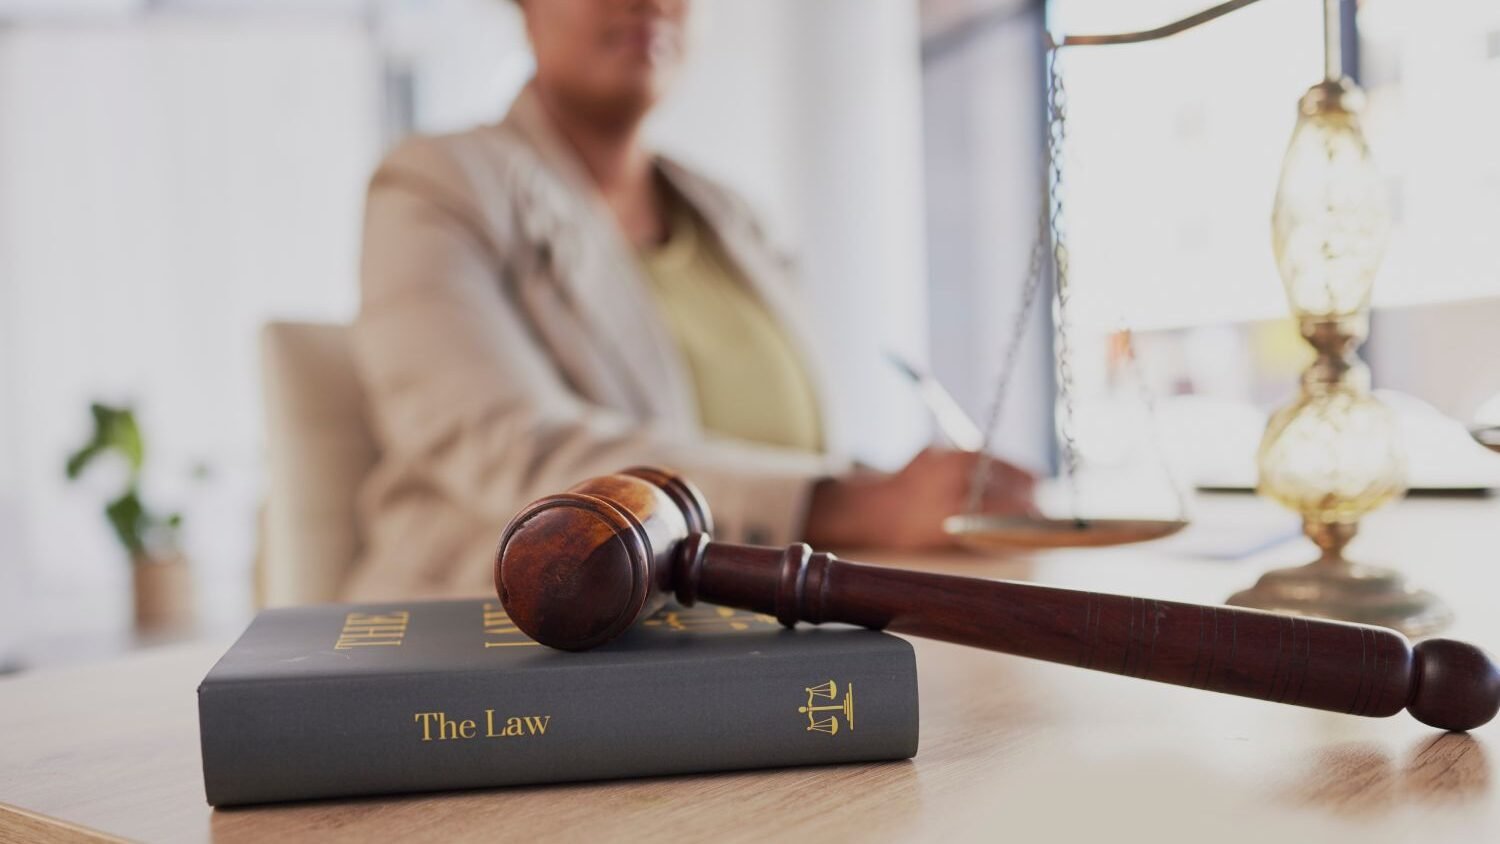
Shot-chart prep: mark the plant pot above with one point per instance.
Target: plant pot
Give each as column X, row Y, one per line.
column 163, row 592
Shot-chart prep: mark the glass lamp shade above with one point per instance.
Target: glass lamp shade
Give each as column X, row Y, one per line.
column 1331, row 219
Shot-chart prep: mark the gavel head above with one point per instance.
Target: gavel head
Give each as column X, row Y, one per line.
column 577, row 569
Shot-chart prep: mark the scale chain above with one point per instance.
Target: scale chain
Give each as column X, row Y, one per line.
column 980, row 478
column 1148, row 398
column 1050, row 229
column 1057, row 135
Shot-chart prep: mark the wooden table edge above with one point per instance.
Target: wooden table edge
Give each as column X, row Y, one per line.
column 27, row 825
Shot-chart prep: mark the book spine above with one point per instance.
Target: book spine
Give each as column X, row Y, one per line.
column 344, row 736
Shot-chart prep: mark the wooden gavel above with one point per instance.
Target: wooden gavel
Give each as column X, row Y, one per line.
column 576, row 570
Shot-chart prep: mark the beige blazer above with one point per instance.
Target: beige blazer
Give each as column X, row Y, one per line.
column 510, row 347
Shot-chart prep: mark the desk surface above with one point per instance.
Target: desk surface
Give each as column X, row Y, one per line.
column 1010, row 748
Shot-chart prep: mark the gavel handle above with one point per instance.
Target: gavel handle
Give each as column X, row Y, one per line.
column 1352, row 668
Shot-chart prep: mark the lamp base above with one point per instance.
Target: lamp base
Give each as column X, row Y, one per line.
column 1335, row 588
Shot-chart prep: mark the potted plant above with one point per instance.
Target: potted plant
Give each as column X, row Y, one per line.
column 162, row 581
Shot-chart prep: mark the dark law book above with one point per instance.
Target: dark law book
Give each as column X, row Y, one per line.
column 343, row 700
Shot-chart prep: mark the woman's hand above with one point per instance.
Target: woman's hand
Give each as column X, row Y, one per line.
column 905, row 510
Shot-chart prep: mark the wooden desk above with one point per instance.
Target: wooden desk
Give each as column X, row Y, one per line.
column 1011, row 750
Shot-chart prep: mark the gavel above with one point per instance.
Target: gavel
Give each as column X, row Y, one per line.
column 577, row 569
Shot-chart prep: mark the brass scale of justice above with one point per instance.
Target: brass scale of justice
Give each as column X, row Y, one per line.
column 991, row 532
column 1328, row 292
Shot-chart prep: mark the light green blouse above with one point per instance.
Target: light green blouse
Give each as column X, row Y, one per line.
column 750, row 382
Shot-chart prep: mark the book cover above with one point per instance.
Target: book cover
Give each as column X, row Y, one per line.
column 344, row 700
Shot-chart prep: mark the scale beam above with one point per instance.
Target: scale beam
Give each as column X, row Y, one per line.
column 1159, row 32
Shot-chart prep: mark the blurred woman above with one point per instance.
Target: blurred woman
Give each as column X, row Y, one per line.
column 546, row 299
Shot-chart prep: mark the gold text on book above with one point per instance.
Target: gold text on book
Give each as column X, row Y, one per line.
column 501, row 632
column 437, row 726
column 823, row 707
column 709, row 619
column 363, row 630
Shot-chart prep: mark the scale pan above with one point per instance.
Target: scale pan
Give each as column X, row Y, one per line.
column 1487, row 436
column 1011, row 533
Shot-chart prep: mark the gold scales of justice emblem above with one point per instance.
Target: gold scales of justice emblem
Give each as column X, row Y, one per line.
column 812, row 709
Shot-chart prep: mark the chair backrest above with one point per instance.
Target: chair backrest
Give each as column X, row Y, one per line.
column 320, row 449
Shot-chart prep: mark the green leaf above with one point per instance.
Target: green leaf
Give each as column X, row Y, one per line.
column 122, row 433
column 80, row 459
column 128, row 518
column 116, row 430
